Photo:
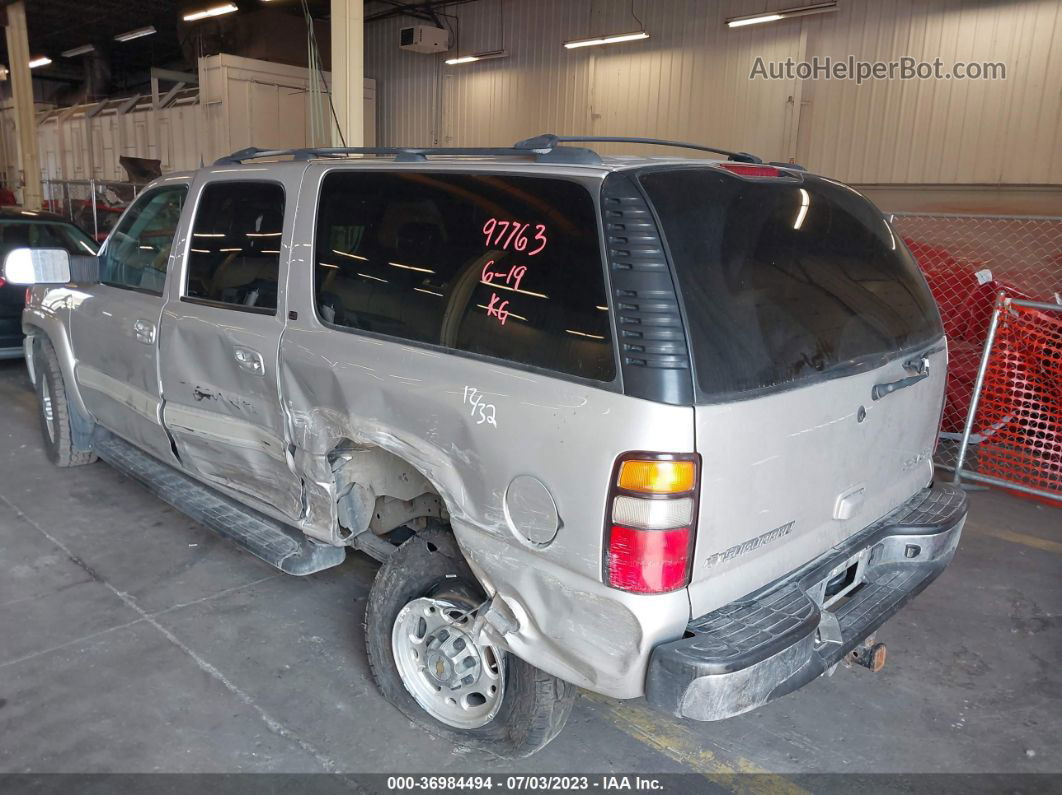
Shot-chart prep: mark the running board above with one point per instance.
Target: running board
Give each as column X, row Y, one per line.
column 265, row 538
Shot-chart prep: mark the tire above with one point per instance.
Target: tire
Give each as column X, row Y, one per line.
column 54, row 410
column 534, row 705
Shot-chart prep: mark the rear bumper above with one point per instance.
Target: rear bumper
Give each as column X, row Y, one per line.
column 772, row 642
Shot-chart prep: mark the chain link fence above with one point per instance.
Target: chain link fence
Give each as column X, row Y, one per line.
column 969, row 262
column 1018, row 402
column 93, row 205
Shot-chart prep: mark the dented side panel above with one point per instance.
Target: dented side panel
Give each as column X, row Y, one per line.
column 225, row 417
column 344, row 387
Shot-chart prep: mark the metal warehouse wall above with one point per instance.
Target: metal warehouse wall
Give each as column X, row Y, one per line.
column 690, row 81
column 174, row 135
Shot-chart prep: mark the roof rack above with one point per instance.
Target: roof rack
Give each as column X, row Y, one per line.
column 550, row 141
column 409, row 154
column 543, row 148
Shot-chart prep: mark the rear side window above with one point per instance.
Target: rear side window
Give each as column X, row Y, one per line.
column 234, row 257
column 784, row 281
column 504, row 266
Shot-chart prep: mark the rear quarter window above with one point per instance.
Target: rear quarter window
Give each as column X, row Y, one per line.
column 786, row 280
column 503, row 266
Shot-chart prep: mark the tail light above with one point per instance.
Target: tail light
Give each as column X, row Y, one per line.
column 753, row 170
column 651, row 522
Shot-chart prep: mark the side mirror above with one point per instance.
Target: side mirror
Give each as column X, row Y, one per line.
column 37, row 266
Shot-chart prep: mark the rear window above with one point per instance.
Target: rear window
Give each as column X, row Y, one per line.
column 503, row 266
column 786, row 281
column 234, row 258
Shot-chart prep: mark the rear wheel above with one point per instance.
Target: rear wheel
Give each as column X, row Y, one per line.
column 427, row 662
column 54, row 409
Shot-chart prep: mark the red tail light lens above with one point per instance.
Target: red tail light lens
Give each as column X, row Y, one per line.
column 3, row 281
column 648, row 561
column 749, row 170
column 651, row 522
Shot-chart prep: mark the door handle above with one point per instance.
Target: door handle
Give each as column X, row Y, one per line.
column 144, row 331
column 881, row 390
column 918, row 366
column 249, row 360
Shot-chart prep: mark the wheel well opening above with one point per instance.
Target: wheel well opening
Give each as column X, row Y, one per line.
column 380, row 492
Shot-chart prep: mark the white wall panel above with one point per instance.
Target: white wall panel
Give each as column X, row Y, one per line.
column 242, row 102
column 690, row 80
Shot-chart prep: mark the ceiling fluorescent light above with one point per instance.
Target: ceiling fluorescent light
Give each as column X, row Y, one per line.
column 213, row 11
column 615, row 39
column 129, row 35
column 737, row 23
column 84, row 49
column 40, row 60
column 785, row 13
column 479, row 56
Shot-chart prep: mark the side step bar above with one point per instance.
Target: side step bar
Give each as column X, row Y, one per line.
column 287, row 549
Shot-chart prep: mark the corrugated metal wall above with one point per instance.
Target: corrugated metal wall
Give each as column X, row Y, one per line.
column 691, row 81
column 175, row 137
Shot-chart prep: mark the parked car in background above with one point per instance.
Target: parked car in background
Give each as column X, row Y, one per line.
column 28, row 229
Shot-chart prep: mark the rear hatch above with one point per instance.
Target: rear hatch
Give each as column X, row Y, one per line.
column 802, row 306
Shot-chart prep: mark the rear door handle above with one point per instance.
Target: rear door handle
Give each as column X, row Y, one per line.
column 144, row 331
column 881, row 390
column 249, row 360
column 920, row 368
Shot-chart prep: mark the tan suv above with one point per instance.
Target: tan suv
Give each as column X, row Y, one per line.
column 646, row 426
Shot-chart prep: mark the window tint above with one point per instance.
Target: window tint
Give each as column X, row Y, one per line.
column 234, row 257
column 138, row 250
column 784, row 281
column 504, row 266
column 42, row 234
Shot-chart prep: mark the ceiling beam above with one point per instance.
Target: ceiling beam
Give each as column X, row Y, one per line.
column 173, row 76
column 424, row 10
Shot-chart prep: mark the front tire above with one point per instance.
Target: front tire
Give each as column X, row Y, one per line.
column 54, row 409
column 421, row 608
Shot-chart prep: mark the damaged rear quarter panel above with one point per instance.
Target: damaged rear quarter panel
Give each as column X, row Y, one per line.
column 341, row 386
column 344, row 386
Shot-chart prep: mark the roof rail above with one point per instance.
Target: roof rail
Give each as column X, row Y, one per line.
column 550, row 141
column 411, row 154
column 543, row 148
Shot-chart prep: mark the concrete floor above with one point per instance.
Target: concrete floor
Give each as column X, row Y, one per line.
column 133, row 640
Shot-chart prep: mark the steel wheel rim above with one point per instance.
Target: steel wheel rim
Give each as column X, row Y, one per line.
column 456, row 681
column 46, row 408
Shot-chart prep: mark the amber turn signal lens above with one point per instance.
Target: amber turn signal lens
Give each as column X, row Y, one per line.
column 657, row 477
